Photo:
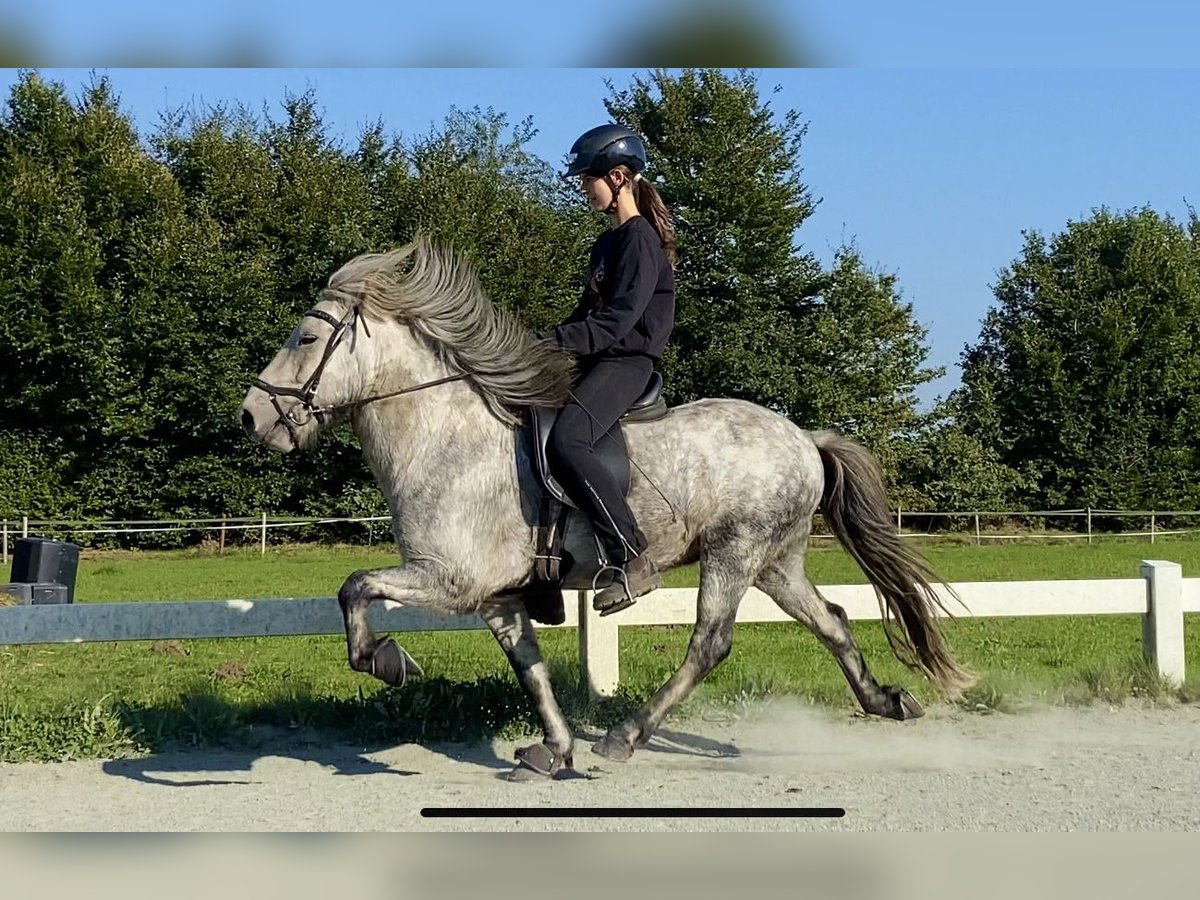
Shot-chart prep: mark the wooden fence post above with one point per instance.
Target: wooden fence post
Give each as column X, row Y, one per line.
column 1162, row 625
column 599, row 650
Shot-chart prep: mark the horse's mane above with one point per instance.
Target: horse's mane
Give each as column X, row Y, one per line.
column 438, row 293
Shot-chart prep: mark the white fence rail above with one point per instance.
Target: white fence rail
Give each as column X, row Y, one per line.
column 12, row 530
column 229, row 526
column 1161, row 595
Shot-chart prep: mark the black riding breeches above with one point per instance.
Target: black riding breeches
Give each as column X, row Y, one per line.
column 605, row 392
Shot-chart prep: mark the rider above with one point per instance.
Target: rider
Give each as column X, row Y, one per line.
column 618, row 330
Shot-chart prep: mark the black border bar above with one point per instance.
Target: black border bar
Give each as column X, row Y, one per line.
column 630, row 812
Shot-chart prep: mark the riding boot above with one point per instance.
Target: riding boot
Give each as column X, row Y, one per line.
column 636, row 578
column 545, row 605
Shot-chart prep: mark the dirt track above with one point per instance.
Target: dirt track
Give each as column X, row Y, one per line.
column 1057, row 769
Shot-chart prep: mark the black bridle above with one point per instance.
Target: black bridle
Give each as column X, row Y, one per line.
column 307, row 391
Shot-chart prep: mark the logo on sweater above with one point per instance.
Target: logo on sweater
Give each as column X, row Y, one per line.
column 594, row 285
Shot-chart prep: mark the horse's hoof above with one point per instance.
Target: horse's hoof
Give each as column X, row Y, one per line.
column 538, row 762
column 522, row 775
column 391, row 664
column 904, row 705
column 613, row 748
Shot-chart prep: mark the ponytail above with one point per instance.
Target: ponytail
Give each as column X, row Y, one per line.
column 650, row 205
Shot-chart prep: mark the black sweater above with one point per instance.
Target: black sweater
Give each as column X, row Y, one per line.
column 628, row 306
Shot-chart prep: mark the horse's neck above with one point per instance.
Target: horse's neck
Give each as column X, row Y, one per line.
column 409, row 441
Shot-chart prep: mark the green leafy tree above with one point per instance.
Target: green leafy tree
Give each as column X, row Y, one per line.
column 952, row 469
column 507, row 212
column 860, row 353
column 1086, row 376
column 89, row 306
column 143, row 283
column 757, row 318
column 287, row 205
column 728, row 172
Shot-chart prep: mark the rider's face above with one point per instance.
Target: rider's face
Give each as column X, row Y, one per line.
column 597, row 191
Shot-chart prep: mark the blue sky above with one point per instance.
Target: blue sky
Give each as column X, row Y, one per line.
column 942, row 33
column 933, row 173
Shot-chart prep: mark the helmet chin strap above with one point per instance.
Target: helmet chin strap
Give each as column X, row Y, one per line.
column 613, row 190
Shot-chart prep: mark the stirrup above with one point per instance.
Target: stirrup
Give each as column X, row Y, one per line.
column 617, row 605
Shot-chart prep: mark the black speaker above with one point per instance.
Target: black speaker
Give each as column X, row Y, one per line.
column 38, row 560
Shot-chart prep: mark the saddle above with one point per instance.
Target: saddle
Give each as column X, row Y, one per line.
column 557, row 507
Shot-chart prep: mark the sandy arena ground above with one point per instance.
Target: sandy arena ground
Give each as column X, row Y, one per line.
column 1060, row 769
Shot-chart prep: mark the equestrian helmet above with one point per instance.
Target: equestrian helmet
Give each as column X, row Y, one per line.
column 600, row 149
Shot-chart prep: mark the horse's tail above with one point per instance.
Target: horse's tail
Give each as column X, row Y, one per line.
column 854, row 503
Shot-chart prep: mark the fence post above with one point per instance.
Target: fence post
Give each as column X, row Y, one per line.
column 899, row 528
column 1152, row 527
column 1162, row 625
column 263, row 544
column 599, row 650
column 24, row 526
column 978, row 539
column 222, row 550
column 1089, row 515
column 6, row 541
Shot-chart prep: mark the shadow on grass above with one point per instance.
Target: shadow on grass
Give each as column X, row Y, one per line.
column 205, row 730
column 209, row 725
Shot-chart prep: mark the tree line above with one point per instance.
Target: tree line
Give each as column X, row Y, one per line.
column 144, row 280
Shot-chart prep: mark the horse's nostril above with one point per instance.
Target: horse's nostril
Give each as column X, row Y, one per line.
column 248, row 421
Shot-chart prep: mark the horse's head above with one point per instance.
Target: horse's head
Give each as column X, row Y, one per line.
column 435, row 325
column 314, row 379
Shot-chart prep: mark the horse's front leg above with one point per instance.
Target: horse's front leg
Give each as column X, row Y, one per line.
column 410, row 585
column 513, row 628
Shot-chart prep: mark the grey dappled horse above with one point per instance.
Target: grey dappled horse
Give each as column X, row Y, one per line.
column 434, row 379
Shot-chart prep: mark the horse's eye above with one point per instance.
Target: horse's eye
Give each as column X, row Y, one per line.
column 307, row 339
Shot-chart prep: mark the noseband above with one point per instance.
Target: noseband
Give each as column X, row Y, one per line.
column 307, row 391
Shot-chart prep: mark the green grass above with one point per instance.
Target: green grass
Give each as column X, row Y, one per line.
column 114, row 699
column 307, row 571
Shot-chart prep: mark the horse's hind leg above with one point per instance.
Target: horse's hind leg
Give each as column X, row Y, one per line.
column 785, row 581
column 724, row 580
